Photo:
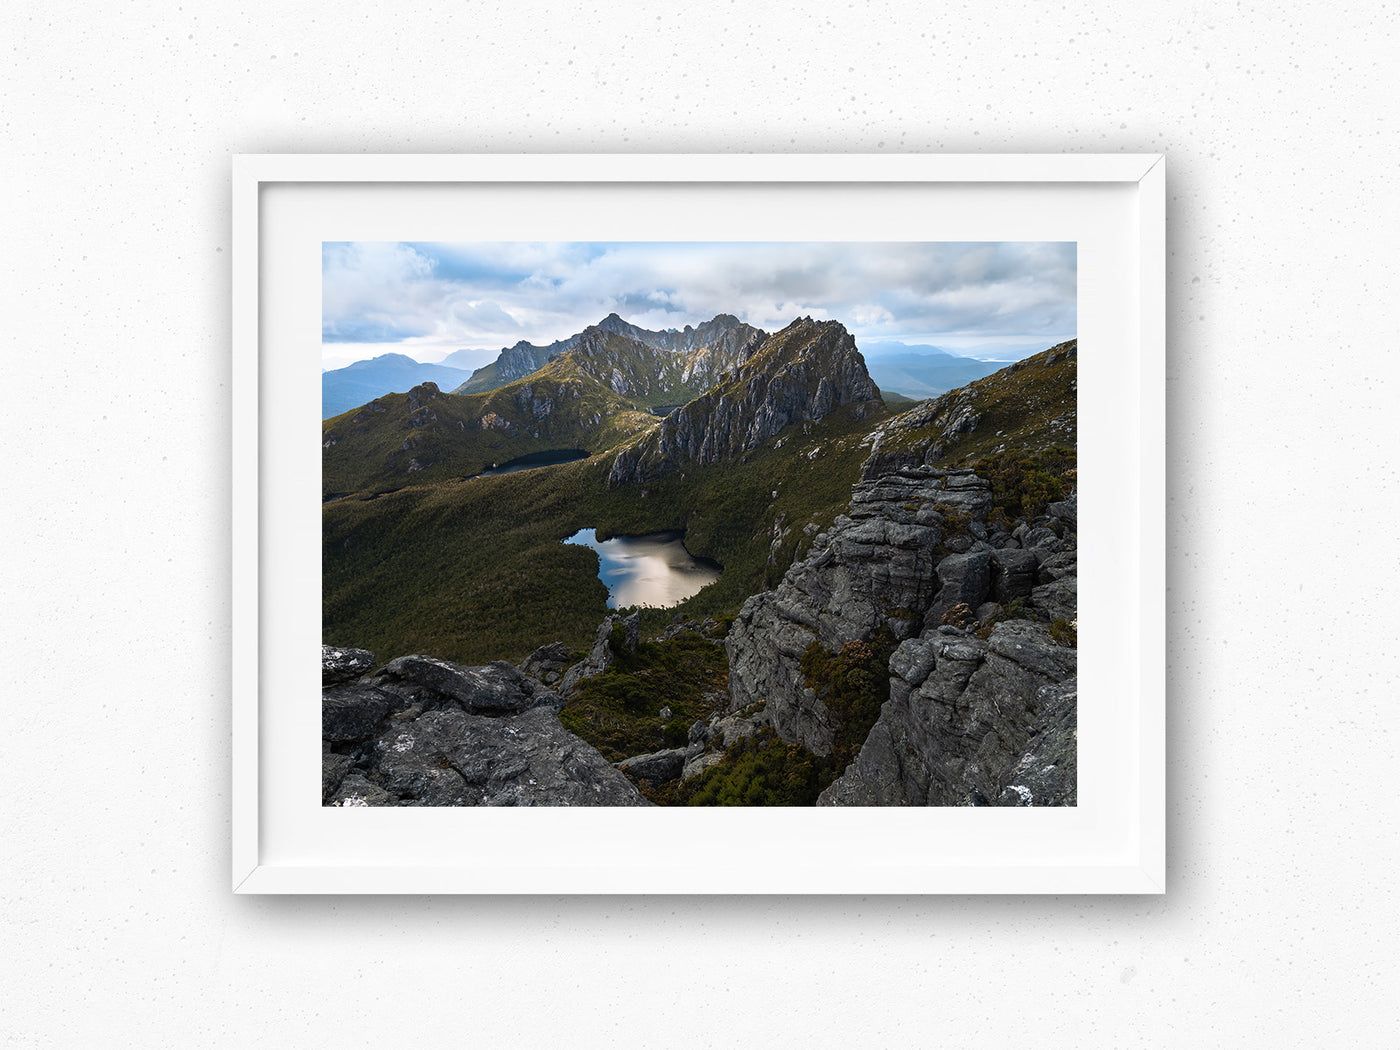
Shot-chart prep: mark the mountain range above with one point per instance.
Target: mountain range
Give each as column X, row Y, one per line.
column 345, row 388
column 893, row 624
column 914, row 371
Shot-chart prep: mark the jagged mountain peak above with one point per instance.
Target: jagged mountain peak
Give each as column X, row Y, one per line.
column 803, row 372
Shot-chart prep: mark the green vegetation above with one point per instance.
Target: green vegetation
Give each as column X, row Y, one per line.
column 474, row 570
column 1064, row 632
column 1023, row 484
column 1026, row 407
column 853, row 683
column 618, row 711
column 397, row 440
column 760, row 770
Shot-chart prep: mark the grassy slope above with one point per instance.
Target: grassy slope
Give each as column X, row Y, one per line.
column 455, row 436
column 473, row 570
column 1026, row 407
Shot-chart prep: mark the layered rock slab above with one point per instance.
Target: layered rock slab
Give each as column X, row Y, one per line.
column 427, row 732
column 876, row 567
column 966, row 720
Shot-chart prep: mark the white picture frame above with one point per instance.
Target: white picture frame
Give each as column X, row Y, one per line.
column 285, row 206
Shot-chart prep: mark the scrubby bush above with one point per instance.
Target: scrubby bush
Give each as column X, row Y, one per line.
column 1065, row 632
column 760, row 770
column 1024, row 485
column 854, row 684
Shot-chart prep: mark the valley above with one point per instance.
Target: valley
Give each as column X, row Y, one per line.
column 864, row 546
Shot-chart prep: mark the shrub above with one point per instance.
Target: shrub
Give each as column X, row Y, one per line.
column 960, row 616
column 760, row 770
column 1065, row 632
column 1023, row 485
column 853, row 684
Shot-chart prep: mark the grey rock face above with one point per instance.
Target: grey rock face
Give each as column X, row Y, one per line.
column 968, row 718
column 960, row 735
column 658, row 766
column 427, row 732
column 344, row 665
column 451, row 758
column 801, row 373
column 601, row 656
column 497, row 688
column 1047, row 773
column 877, row 567
column 547, row 663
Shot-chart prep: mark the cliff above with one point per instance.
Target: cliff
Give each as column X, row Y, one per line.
column 800, row 373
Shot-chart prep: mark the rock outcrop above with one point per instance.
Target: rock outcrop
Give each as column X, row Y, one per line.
column 344, row 665
column 426, row 732
column 614, row 632
column 968, row 721
column 880, row 566
column 803, row 372
column 981, row 707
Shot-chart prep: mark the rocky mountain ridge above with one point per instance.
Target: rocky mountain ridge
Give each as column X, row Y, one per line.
column 803, row 372
column 723, row 336
column 656, row 377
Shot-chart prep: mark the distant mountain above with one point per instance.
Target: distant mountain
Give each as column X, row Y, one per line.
column 712, row 343
column 345, row 388
column 920, row 371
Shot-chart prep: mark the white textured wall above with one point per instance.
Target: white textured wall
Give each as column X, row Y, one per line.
column 1280, row 925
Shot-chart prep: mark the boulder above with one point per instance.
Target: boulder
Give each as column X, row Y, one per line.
column 1013, row 574
column 1058, row 599
column 547, row 663
column 351, row 712
column 497, row 688
column 356, row 790
column 334, row 767
column 659, row 766
column 1066, row 510
column 344, row 665
column 964, row 579
column 603, row 654
column 454, row 758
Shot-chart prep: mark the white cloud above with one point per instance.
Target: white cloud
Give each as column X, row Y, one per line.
column 448, row 296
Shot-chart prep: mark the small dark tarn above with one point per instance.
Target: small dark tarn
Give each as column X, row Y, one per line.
column 548, row 458
column 662, row 410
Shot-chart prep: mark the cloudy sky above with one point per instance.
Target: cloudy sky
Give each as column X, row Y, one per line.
column 998, row 301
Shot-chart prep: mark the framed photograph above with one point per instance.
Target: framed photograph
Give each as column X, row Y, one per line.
column 698, row 524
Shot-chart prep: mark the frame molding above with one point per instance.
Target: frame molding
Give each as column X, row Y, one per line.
column 1142, row 174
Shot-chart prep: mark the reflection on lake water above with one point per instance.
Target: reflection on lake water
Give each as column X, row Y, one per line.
column 654, row 569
